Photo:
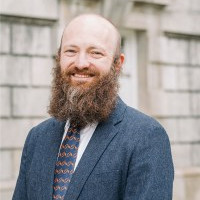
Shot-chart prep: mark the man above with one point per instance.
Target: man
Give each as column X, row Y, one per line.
column 94, row 147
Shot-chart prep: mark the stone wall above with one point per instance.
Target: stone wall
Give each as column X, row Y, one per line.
column 168, row 71
column 27, row 49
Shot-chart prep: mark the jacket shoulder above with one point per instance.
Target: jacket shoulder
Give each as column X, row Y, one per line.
column 141, row 125
column 45, row 125
column 138, row 116
column 39, row 130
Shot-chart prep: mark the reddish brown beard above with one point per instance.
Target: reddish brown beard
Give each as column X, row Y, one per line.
column 83, row 104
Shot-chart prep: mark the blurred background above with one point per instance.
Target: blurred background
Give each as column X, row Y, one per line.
column 161, row 75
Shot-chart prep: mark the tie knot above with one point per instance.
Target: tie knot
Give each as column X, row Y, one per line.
column 73, row 125
column 73, row 129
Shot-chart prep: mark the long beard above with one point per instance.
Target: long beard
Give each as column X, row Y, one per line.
column 83, row 104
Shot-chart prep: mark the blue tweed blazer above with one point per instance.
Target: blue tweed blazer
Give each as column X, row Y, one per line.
column 127, row 158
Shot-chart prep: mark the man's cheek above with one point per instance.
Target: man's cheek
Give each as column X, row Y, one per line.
column 64, row 63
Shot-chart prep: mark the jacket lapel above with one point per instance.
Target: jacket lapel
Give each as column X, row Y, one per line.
column 101, row 138
column 49, row 152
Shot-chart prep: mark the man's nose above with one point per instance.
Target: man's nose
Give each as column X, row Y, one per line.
column 82, row 61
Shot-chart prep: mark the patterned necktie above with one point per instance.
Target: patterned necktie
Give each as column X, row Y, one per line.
column 64, row 168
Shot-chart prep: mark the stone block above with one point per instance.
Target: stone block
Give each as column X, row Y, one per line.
column 179, row 5
column 5, row 34
column 47, row 9
column 7, row 185
column 184, row 76
column 69, row 9
column 169, row 77
column 6, row 194
column 86, row 6
column 171, row 128
column 195, row 154
column 180, row 78
column 174, row 50
column 186, row 184
column 16, row 162
column 193, row 55
column 182, row 129
column 169, row 103
column 5, row 105
column 195, row 104
column 181, row 154
column 128, row 91
column 136, row 20
column 180, row 22
column 189, row 129
column 183, row 6
column 6, row 165
column 154, row 77
column 15, row 70
column 14, row 132
column 31, row 40
column 41, row 71
column 195, row 5
column 30, row 102
column 194, row 78
column 178, row 188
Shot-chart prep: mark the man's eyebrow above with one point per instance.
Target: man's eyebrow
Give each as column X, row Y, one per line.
column 91, row 47
column 97, row 47
column 69, row 45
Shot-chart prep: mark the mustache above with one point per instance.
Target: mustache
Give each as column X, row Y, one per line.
column 91, row 71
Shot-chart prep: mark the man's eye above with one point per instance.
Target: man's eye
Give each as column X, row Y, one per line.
column 70, row 52
column 96, row 54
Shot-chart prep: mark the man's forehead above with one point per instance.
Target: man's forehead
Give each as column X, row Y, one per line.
column 91, row 26
column 91, row 20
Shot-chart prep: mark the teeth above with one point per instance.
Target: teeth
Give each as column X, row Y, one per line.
column 81, row 75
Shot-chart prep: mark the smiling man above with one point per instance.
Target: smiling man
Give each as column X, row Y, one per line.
column 94, row 147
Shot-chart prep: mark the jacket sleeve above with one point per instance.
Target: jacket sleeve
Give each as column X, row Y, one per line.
column 20, row 192
column 151, row 173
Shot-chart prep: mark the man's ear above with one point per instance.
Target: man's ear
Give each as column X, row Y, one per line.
column 119, row 62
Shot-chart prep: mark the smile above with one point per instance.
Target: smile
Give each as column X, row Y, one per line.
column 82, row 75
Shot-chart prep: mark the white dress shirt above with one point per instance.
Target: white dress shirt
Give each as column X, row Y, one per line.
column 85, row 136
